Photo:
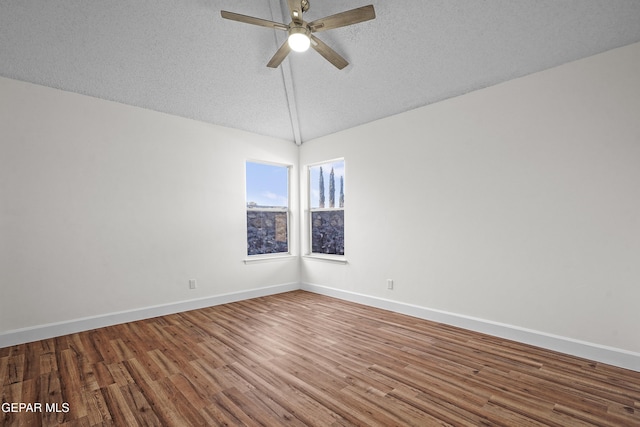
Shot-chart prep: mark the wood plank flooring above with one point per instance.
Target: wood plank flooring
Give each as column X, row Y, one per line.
column 304, row 359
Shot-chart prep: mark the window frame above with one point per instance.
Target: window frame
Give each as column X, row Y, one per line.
column 286, row 210
column 340, row 258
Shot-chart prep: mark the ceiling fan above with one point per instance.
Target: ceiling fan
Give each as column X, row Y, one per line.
column 300, row 33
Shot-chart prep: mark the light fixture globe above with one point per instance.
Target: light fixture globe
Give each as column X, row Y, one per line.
column 299, row 40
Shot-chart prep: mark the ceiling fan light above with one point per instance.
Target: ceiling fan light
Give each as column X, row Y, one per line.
column 299, row 40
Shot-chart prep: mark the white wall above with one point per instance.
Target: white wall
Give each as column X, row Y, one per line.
column 517, row 204
column 108, row 208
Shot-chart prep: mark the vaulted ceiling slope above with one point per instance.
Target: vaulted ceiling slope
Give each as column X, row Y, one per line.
column 182, row 58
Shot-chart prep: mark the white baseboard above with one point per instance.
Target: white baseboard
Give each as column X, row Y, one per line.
column 599, row 353
column 40, row 332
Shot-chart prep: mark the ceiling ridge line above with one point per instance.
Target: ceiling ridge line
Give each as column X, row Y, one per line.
column 289, row 90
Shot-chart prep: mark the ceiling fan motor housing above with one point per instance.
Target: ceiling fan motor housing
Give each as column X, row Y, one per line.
column 300, row 29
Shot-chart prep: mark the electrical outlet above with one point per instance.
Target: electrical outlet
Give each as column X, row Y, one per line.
column 192, row 284
column 389, row 283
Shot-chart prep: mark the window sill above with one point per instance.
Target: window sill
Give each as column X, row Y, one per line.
column 338, row 259
column 268, row 258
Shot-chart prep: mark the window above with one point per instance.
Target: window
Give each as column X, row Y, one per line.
column 326, row 193
column 267, row 208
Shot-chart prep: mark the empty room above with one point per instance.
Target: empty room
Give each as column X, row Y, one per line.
column 322, row 213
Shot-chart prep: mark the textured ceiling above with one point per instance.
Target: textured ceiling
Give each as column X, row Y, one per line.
column 182, row 58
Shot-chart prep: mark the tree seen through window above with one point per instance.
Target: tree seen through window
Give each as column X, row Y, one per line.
column 327, row 219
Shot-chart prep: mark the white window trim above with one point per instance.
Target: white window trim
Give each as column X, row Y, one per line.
column 269, row 258
column 249, row 259
column 340, row 259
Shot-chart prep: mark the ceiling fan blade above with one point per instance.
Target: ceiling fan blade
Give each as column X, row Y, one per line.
column 295, row 8
column 253, row 21
column 329, row 54
column 281, row 53
column 343, row 19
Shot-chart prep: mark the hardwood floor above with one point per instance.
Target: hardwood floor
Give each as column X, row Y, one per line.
column 304, row 359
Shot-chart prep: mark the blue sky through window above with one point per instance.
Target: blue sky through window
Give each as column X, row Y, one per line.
column 314, row 182
column 267, row 185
